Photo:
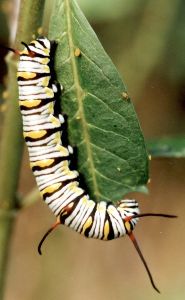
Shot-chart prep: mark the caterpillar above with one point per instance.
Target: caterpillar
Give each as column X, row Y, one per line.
column 49, row 154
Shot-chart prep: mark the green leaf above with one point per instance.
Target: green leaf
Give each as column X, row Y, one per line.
column 167, row 147
column 102, row 123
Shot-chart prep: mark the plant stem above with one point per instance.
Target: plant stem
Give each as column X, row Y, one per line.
column 30, row 18
column 31, row 197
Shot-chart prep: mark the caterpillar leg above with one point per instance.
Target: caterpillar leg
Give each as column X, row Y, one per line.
column 55, row 88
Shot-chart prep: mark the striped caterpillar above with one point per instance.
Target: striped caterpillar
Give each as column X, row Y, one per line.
column 49, row 156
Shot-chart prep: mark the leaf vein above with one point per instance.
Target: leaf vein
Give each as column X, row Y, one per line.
column 80, row 96
column 85, row 55
column 108, row 151
column 99, row 99
column 109, row 131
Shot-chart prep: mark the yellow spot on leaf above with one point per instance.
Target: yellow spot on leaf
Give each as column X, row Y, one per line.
column 125, row 95
column 77, row 52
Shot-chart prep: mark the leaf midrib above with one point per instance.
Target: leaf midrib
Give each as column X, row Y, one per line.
column 80, row 95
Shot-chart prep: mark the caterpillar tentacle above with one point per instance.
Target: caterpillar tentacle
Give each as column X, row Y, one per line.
column 132, row 237
column 50, row 156
column 46, row 234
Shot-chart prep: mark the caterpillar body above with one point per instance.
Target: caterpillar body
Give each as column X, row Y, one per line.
column 50, row 157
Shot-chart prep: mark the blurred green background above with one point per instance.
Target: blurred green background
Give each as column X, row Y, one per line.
column 146, row 41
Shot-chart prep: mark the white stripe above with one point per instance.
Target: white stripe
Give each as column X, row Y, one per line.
column 31, row 89
column 40, row 60
column 92, row 231
column 116, row 220
column 40, row 150
column 49, row 170
column 36, row 97
column 45, row 178
column 66, row 201
column 47, row 156
column 36, row 50
column 102, row 213
column 34, row 118
column 46, row 42
column 38, row 81
column 61, row 179
column 50, row 140
column 49, row 125
column 41, row 110
column 76, row 212
column 58, row 194
column 90, row 205
column 30, row 64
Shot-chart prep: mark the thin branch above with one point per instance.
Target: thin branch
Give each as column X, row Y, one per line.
column 30, row 19
column 30, row 198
